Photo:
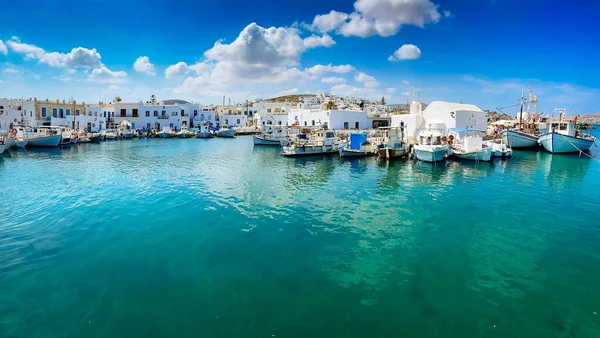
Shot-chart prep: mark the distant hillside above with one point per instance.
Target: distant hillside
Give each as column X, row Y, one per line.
column 593, row 118
column 290, row 98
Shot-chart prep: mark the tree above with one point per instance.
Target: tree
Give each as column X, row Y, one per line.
column 383, row 100
column 153, row 99
column 331, row 105
column 118, row 98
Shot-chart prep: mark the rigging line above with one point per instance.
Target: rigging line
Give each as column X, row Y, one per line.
column 580, row 151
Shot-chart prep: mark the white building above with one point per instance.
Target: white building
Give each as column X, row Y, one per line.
column 233, row 120
column 311, row 100
column 455, row 115
column 330, row 119
column 152, row 115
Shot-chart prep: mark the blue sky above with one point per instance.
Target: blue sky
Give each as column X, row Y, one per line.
column 482, row 52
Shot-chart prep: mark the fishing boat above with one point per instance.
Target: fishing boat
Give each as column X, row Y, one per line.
column 2, row 147
column 124, row 130
column 9, row 140
column 110, row 135
column 432, row 146
column 358, row 146
column 83, row 138
column 270, row 137
column 499, row 148
column 564, row 137
column 96, row 137
column 322, row 142
column 467, row 144
column 525, row 134
column 184, row 133
column 226, row 132
column 166, row 132
column 204, row 132
column 42, row 137
column 394, row 147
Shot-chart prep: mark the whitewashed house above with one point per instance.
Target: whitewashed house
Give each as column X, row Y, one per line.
column 233, row 120
column 455, row 115
column 331, row 119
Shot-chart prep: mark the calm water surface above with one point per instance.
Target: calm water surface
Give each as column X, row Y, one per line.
column 216, row 238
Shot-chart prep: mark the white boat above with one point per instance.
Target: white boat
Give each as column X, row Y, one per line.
column 394, row 147
column 319, row 143
column 563, row 137
column 21, row 142
column 270, row 137
column 184, row 133
column 96, row 137
column 467, row 144
column 500, row 149
column 432, row 146
column 124, row 130
column 2, row 148
column 110, row 135
column 9, row 141
column 167, row 132
column 42, row 137
column 204, row 132
column 226, row 132
column 83, row 138
column 358, row 146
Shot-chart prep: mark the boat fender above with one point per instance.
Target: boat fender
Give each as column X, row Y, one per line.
column 14, row 131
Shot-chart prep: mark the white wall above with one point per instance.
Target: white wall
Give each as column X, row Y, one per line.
column 264, row 120
column 233, row 120
column 412, row 124
column 339, row 119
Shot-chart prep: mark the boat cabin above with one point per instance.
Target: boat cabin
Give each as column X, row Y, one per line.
column 563, row 127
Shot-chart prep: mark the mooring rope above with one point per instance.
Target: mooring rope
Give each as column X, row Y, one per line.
column 581, row 151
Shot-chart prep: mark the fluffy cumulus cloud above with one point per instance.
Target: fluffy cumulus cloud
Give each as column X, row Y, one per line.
column 320, row 70
column 362, row 77
column 30, row 51
column 406, row 52
column 315, row 41
column 78, row 58
column 178, row 69
column 378, row 17
column 333, row 80
column 3, row 49
column 104, row 74
column 390, row 90
column 143, row 65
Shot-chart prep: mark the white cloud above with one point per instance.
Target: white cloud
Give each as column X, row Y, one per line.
column 346, row 90
column 30, row 51
column 143, row 65
column 378, row 17
column 390, row 90
column 315, row 41
column 71, row 71
column 405, row 82
column 78, row 57
column 10, row 69
column 447, row 14
column 178, row 69
column 320, row 70
column 406, row 52
column 3, row 49
column 372, row 84
column 117, row 88
column 104, row 74
column 362, row 77
column 333, row 80
column 328, row 22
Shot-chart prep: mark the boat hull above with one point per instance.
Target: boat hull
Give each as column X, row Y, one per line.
column 45, row 141
column 127, row 135
column 21, row 143
column 354, row 153
column 389, row 153
column 431, row 154
column 293, row 151
column 261, row 141
column 484, row 155
column 2, row 148
column 96, row 138
column 519, row 139
column 556, row 143
column 165, row 135
column 9, row 142
column 184, row 135
column 204, row 134
column 229, row 133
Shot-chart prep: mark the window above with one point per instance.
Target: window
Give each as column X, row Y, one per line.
column 313, row 122
column 95, row 113
column 238, row 121
column 305, row 123
column 269, row 110
column 89, row 113
column 113, row 114
column 43, row 111
column 68, row 111
column 279, row 122
column 269, row 122
column 105, row 113
column 174, row 113
column 171, row 124
column 156, row 113
column 195, row 112
column 54, row 112
column 77, row 112
column 148, row 126
column 123, row 112
column 182, row 112
column 61, row 113
column 346, row 125
column 356, row 125
column 134, row 113
column 263, row 123
column 208, row 118
column 147, row 113
column 201, row 117
column 226, row 121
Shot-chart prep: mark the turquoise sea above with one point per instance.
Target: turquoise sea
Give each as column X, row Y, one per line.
column 217, row 238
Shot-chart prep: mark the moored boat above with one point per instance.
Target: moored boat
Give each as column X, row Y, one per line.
column 204, row 132
column 226, row 132
column 319, row 143
column 467, row 144
column 357, row 147
column 96, row 137
column 432, row 146
column 166, row 132
column 563, row 137
column 519, row 139
column 2, row 148
column 42, row 137
column 125, row 130
column 184, row 133
column 21, row 142
column 270, row 137
column 9, row 141
column 394, row 147
column 110, row 135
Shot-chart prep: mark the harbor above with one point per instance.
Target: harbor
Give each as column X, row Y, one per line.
column 232, row 238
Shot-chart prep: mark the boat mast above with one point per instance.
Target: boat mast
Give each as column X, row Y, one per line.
column 521, row 110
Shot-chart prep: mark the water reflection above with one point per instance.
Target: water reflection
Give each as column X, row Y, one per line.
column 564, row 170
